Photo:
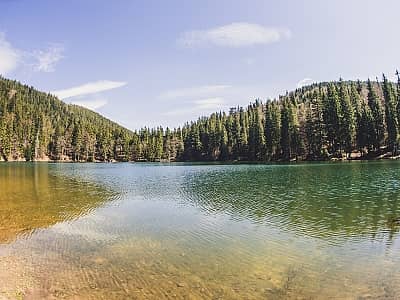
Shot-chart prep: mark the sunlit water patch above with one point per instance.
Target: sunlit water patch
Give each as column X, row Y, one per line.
column 160, row 231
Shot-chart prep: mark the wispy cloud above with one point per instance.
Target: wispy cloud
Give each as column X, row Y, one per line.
column 209, row 103
column 88, row 88
column 201, row 91
column 48, row 58
column 199, row 107
column 201, row 100
column 9, row 56
column 192, row 102
column 304, row 82
column 92, row 104
column 40, row 60
column 234, row 35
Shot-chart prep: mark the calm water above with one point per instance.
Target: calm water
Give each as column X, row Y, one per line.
column 153, row 231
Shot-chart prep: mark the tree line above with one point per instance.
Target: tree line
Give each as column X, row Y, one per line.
column 340, row 119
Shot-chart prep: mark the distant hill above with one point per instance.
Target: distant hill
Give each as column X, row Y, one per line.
column 329, row 120
column 38, row 126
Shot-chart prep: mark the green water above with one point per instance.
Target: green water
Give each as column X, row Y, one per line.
column 181, row 231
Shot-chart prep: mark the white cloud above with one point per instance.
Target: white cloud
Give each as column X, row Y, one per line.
column 48, row 58
column 202, row 106
column 191, row 92
column 304, row 82
column 196, row 100
column 88, row 88
column 9, row 56
column 87, row 95
column 209, row 103
column 234, row 35
column 39, row 60
column 91, row 104
column 177, row 111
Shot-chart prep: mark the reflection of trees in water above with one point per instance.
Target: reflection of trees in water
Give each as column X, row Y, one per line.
column 327, row 201
column 31, row 198
column 393, row 228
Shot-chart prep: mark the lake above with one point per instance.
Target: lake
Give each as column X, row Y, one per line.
column 198, row 231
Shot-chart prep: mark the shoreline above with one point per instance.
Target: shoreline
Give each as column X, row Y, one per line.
column 358, row 159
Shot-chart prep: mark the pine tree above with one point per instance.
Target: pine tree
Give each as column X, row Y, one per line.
column 256, row 133
column 332, row 116
column 398, row 100
column 358, row 110
column 244, row 129
column 272, row 130
column 377, row 115
column 285, row 131
column 390, row 114
column 276, row 129
column 327, row 118
column 296, row 142
column 236, row 133
column 366, row 130
column 159, row 143
column 347, row 123
column 315, row 127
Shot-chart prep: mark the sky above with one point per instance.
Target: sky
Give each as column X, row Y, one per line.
column 150, row 63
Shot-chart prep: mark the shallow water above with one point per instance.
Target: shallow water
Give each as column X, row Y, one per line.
column 195, row 231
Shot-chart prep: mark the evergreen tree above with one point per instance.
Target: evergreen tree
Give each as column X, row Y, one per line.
column 325, row 118
column 256, row 133
column 398, row 99
column 357, row 107
column 244, row 129
column 390, row 114
column 332, row 117
column 272, row 130
column 347, row 123
column 285, row 131
column 315, row 127
column 296, row 142
column 366, row 132
column 375, row 105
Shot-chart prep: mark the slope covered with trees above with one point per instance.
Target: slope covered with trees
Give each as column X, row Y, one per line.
column 343, row 119
column 38, row 126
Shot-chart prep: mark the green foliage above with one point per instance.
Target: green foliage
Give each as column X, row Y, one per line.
column 315, row 127
column 272, row 130
column 347, row 123
column 375, row 104
column 390, row 113
column 312, row 123
column 38, row 126
column 332, row 117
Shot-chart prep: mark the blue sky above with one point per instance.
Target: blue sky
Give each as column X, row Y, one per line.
column 149, row 63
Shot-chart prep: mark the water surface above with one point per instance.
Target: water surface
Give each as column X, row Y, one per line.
column 182, row 231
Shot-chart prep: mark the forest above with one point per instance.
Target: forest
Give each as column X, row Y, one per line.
column 323, row 121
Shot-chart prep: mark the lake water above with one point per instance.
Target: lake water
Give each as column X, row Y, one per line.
column 196, row 231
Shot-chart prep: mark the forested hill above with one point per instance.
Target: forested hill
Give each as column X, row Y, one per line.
column 342, row 119
column 38, row 126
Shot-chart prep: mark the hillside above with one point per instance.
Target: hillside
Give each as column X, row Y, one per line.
column 38, row 126
column 331, row 120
